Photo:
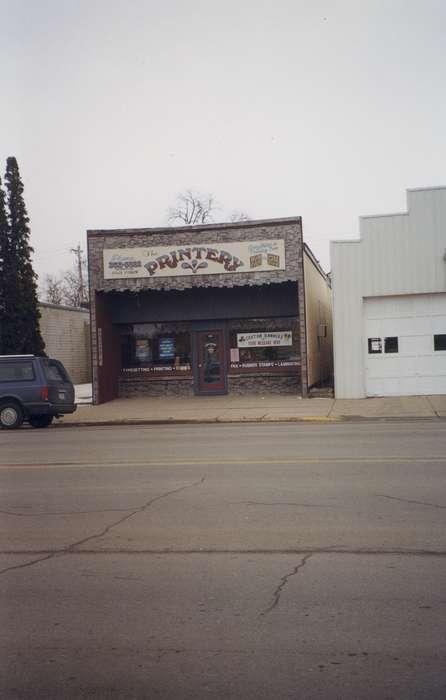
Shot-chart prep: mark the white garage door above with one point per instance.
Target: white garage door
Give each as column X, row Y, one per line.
column 405, row 345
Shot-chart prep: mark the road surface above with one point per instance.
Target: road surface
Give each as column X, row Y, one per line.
column 232, row 561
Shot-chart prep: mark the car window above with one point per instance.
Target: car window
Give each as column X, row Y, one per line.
column 16, row 371
column 54, row 371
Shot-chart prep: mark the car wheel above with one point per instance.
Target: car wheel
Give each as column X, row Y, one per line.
column 40, row 421
column 11, row 415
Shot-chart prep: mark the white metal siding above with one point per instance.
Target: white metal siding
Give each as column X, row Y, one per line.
column 400, row 254
column 416, row 368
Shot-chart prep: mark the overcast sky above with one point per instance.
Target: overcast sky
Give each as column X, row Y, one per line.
column 322, row 109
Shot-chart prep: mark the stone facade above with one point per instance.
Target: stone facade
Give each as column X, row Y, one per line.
column 288, row 230
column 160, row 387
column 241, row 384
column 265, row 384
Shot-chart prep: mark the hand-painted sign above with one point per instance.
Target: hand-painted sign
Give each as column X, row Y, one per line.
column 204, row 259
column 264, row 340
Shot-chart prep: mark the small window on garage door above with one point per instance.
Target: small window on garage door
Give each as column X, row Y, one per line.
column 391, row 344
column 440, row 341
column 375, row 346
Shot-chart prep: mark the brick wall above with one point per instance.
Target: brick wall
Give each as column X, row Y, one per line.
column 66, row 332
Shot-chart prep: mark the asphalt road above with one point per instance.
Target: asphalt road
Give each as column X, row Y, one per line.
column 233, row 561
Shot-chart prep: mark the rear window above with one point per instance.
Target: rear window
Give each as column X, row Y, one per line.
column 54, row 372
column 16, row 372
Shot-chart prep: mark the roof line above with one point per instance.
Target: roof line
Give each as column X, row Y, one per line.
column 63, row 307
column 426, row 189
column 346, row 240
column 381, row 216
column 315, row 261
column 201, row 227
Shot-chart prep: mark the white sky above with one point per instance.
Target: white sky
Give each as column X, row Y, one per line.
column 323, row 109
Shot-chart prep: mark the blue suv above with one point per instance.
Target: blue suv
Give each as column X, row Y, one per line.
column 33, row 389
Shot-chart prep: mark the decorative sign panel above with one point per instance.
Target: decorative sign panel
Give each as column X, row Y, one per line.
column 204, row 259
column 264, row 340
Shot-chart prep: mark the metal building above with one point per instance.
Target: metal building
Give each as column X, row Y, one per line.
column 389, row 302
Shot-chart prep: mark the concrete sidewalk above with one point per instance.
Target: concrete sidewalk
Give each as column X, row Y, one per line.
column 236, row 409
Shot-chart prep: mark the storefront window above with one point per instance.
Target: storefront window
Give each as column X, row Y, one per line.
column 259, row 349
column 155, row 348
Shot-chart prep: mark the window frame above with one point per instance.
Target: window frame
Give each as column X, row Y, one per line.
column 391, row 352
column 443, row 336
column 15, row 379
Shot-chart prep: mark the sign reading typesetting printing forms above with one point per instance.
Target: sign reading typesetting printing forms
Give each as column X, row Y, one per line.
column 264, row 340
column 203, row 259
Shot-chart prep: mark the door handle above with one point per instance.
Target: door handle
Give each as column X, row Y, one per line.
column 200, row 366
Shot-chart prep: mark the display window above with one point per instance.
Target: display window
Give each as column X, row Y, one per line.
column 156, row 349
column 267, row 347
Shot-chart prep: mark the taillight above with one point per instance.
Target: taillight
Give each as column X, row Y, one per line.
column 44, row 393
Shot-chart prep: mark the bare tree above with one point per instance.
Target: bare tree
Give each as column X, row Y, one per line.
column 69, row 287
column 192, row 208
column 73, row 291
column 195, row 208
column 239, row 216
column 53, row 289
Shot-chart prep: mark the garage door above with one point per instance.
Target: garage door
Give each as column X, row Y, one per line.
column 405, row 345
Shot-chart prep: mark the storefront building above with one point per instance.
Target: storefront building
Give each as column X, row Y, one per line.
column 207, row 310
column 389, row 302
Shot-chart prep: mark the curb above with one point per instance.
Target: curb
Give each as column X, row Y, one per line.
column 193, row 421
column 218, row 421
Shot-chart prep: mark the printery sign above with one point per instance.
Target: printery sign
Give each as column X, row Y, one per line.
column 203, row 259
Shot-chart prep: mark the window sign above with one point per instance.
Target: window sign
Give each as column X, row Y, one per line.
column 166, row 348
column 234, row 355
column 265, row 339
column 142, row 350
column 375, row 346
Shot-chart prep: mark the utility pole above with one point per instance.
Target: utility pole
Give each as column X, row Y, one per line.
column 78, row 253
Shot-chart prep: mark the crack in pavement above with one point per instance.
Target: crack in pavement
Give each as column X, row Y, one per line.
column 432, row 406
column 30, row 563
column 68, row 512
column 69, row 549
column 283, row 581
column 407, row 500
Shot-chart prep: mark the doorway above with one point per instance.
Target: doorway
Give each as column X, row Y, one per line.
column 210, row 358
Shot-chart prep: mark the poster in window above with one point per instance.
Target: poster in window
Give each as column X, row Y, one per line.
column 166, row 348
column 142, row 350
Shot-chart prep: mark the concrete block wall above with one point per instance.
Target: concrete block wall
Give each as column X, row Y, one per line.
column 66, row 332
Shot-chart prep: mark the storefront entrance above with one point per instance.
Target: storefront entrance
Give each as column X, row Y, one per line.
column 210, row 373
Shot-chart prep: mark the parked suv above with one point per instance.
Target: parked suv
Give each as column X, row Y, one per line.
column 33, row 389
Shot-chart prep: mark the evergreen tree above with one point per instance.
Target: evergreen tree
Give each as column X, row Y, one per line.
column 20, row 314
column 3, row 248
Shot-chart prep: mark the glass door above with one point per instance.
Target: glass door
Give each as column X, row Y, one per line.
column 211, row 373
